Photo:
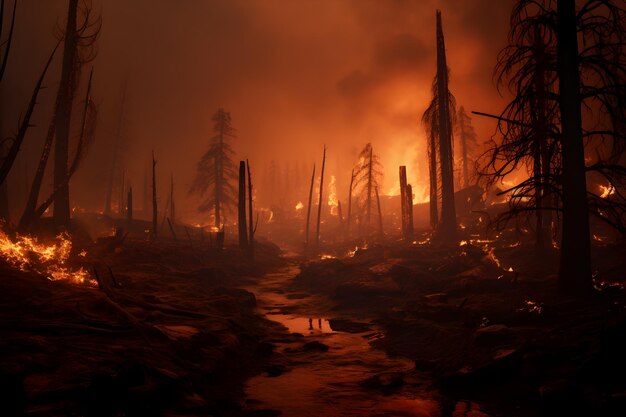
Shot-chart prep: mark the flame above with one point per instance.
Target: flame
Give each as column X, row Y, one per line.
column 352, row 252
column 607, row 191
column 332, row 196
column 27, row 254
column 326, row 256
column 299, row 206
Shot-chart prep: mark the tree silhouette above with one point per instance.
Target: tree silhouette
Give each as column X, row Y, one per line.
column 368, row 174
column 438, row 120
column 79, row 48
column 216, row 170
column 555, row 82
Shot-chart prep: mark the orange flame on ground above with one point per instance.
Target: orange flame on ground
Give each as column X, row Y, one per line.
column 27, row 254
column 607, row 191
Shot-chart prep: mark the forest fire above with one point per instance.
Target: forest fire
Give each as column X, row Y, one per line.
column 51, row 260
column 259, row 208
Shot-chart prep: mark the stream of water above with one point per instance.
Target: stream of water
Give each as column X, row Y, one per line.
column 332, row 383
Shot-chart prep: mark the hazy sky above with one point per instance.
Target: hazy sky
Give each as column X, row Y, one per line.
column 294, row 74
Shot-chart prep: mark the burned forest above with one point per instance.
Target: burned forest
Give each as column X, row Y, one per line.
column 250, row 208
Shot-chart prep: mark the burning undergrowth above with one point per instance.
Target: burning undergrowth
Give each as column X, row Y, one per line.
column 50, row 259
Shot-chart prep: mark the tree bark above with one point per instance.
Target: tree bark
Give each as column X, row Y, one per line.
column 172, row 204
column 434, row 193
column 403, row 206
column 447, row 227
column 308, row 212
column 319, row 207
column 380, row 213
column 241, row 219
column 349, row 220
column 575, row 263
column 154, row 200
column 369, row 189
column 409, row 209
column 250, row 214
column 65, row 101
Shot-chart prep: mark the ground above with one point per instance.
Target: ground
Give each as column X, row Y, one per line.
column 406, row 328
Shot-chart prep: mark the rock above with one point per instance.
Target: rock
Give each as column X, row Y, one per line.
column 348, row 326
column 315, row 346
column 240, row 297
column 275, row 370
column 493, row 334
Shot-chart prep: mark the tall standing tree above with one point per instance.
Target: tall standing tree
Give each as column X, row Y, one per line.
column 79, row 40
column 553, row 80
column 368, row 175
column 447, row 227
column 216, row 170
column 438, row 120
column 116, row 159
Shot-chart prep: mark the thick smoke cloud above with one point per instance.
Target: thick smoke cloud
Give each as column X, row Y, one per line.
column 294, row 75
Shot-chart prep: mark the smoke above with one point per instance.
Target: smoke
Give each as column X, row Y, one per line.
column 294, row 75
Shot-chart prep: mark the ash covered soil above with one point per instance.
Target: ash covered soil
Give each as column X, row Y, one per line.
column 486, row 321
column 168, row 333
column 480, row 328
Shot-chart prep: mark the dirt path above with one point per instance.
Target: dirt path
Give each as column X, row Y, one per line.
column 326, row 367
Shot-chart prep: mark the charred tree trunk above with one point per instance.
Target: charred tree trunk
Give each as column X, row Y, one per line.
column 129, row 204
column 116, row 150
column 219, row 182
column 30, row 213
column 31, row 203
column 380, row 213
column 172, row 204
column 9, row 41
column 308, row 212
column 16, row 144
column 448, row 211
column 369, row 189
column 319, row 207
column 349, row 220
column 241, row 219
column 122, row 197
column 340, row 213
column 146, row 204
column 464, row 150
column 434, row 192
column 154, row 200
column 575, row 264
column 403, row 205
column 542, row 158
column 250, row 214
column 409, row 211
column 63, row 116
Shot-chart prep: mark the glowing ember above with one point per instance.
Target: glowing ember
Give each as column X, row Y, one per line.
column 299, row 206
column 532, row 307
column 607, row 191
column 352, row 252
column 27, row 254
column 326, row 256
